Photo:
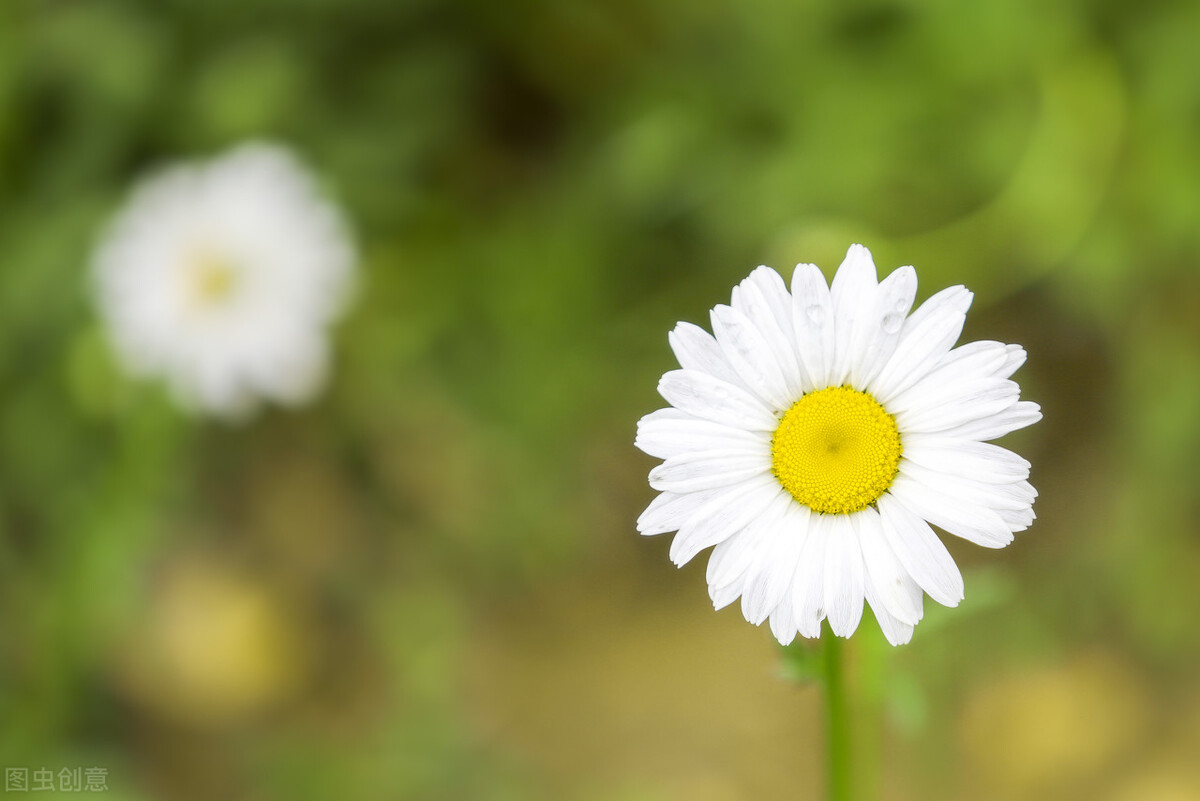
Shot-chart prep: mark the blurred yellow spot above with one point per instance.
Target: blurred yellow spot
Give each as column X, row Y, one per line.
column 215, row 646
column 836, row 450
column 212, row 278
column 1049, row 728
column 1160, row 782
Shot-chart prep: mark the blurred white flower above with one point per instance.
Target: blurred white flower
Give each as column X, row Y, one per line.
column 222, row 278
column 816, row 436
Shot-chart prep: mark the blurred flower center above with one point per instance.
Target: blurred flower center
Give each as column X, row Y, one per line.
column 836, row 450
column 212, row 278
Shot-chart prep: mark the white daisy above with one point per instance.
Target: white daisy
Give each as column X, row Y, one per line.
column 223, row 277
column 817, row 435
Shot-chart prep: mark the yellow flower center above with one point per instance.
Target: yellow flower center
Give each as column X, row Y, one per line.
column 836, row 450
column 212, row 278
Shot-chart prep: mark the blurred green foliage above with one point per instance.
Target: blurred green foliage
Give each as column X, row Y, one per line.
column 428, row 586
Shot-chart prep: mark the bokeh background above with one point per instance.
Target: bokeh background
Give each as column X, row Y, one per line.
column 427, row 585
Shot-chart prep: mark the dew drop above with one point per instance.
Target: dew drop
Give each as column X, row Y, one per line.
column 816, row 314
column 891, row 322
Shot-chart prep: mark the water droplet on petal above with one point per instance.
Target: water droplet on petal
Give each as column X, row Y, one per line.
column 891, row 322
column 816, row 314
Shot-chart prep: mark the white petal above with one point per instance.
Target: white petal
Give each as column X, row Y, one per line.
column 1016, row 416
column 927, row 335
column 984, row 358
column 713, row 399
column 1015, row 358
column 696, row 349
column 670, row 510
column 764, row 299
column 783, row 623
column 964, row 366
column 812, row 319
column 769, row 579
column 292, row 375
column 941, row 408
column 751, row 356
column 981, row 358
column 670, row 432
column 919, row 550
column 720, row 518
column 771, row 288
column 980, row 461
column 1016, row 494
column 843, row 577
column 855, row 308
column 946, row 303
column 809, row 585
column 972, row 521
column 894, row 301
column 648, row 421
column 894, row 588
column 897, row 632
column 667, row 414
column 731, row 559
column 723, row 596
column 702, row 470
column 1017, row 520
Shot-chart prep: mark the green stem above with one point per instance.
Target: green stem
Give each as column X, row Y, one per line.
column 837, row 720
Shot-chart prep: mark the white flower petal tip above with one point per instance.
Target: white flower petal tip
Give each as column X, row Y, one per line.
column 815, row 438
column 858, row 258
column 222, row 278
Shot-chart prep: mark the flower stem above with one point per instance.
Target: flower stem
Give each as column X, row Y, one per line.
column 837, row 720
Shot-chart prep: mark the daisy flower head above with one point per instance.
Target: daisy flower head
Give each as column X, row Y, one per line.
column 222, row 278
column 816, row 434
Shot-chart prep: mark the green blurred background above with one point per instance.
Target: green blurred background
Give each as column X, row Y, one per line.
column 428, row 585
